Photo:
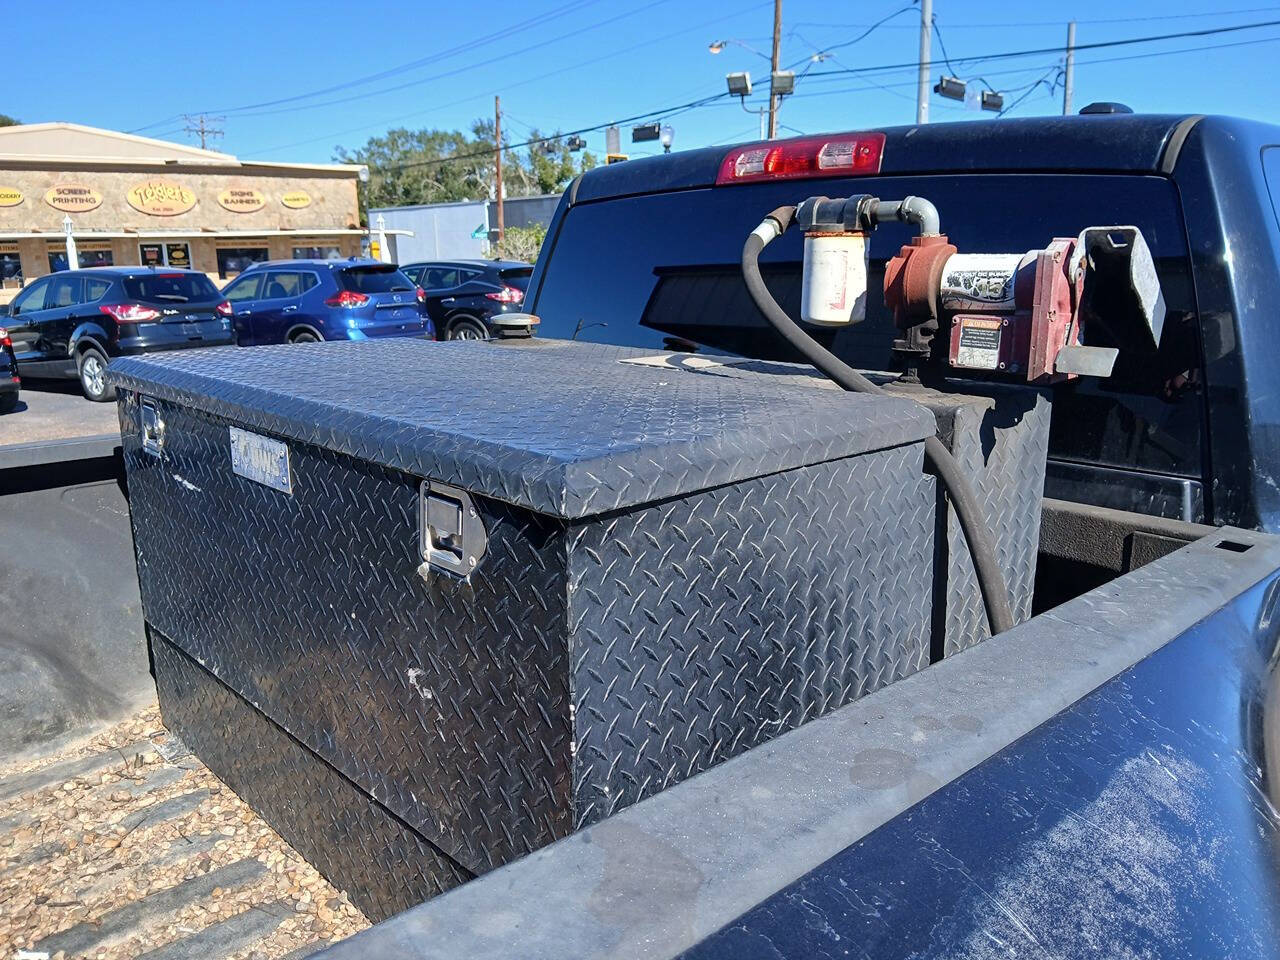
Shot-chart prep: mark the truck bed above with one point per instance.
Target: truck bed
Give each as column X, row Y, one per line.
column 1094, row 782
column 124, row 845
column 53, row 411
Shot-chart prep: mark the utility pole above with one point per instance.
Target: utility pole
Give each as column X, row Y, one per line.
column 926, row 63
column 777, row 39
column 202, row 124
column 1069, row 74
column 497, row 143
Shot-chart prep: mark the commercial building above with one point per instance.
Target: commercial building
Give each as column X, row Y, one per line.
column 128, row 199
column 451, row 231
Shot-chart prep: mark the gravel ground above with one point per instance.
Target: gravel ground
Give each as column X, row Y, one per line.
column 75, row 853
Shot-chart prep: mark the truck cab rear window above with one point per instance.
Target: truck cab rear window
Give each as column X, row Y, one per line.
column 670, row 288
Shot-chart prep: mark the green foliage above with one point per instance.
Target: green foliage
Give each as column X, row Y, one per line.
column 520, row 243
column 444, row 166
column 8, row 121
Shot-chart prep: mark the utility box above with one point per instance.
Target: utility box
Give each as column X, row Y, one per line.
column 432, row 606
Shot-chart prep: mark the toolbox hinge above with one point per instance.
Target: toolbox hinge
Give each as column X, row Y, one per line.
column 451, row 535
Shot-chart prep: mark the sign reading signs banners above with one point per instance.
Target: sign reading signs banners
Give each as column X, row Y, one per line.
column 72, row 198
column 10, row 196
column 296, row 199
column 242, row 200
column 161, row 198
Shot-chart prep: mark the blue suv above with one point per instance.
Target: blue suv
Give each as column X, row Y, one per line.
column 295, row 301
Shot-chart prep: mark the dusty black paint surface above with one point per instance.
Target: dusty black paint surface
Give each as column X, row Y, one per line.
column 72, row 652
column 1142, row 822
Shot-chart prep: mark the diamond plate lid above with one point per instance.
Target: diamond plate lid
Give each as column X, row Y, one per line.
column 567, row 429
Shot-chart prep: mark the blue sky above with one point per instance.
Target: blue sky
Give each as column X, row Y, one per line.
column 575, row 63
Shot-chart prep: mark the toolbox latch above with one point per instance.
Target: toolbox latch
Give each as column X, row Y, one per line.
column 152, row 429
column 451, row 536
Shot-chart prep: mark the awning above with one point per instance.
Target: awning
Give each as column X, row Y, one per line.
column 91, row 235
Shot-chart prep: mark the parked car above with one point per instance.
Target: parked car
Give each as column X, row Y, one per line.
column 9, row 379
column 463, row 296
column 296, row 301
column 69, row 324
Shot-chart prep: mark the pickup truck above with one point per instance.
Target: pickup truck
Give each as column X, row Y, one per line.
column 1098, row 781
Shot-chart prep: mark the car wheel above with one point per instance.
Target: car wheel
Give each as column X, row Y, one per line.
column 93, row 376
column 9, row 402
column 304, row 336
column 467, row 330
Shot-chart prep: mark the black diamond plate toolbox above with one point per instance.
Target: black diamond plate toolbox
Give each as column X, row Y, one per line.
column 999, row 435
column 668, row 570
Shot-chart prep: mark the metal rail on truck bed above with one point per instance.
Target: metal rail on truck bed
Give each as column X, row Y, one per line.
column 1092, row 782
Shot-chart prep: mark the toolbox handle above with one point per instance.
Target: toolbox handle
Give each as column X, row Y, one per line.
column 451, row 535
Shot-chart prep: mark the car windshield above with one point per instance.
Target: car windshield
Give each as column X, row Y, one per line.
column 517, row 277
column 170, row 288
column 373, row 280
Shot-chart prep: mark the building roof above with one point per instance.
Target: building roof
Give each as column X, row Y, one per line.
column 61, row 142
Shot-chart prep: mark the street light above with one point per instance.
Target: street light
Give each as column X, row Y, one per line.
column 667, row 135
column 953, row 88
column 73, row 257
column 719, row 45
column 740, row 86
column 383, row 253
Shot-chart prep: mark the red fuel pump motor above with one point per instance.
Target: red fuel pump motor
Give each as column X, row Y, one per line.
column 1012, row 315
column 1009, row 313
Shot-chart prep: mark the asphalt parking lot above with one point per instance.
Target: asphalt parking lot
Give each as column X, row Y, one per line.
column 56, row 410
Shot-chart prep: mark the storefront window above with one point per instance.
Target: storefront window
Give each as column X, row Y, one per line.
column 10, row 267
column 164, row 254
column 234, row 260
column 90, row 257
column 317, row 253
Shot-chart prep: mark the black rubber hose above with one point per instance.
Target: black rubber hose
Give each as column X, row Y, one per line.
column 995, row 594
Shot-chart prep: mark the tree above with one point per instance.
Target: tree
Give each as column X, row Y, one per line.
column 444, row 166
column 8, row 121
column 552, row 165
column 520, row 243
column 417, row 166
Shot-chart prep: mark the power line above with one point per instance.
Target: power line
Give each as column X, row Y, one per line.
column 1101, row 44
column 436, row 57
column 660, row 114
column 988, row 25
column 1031, row 88
column 202, row 124
column 519, row 83
column 478, row 64
column 1133, row 56
column 933, row 22
column 848, row 43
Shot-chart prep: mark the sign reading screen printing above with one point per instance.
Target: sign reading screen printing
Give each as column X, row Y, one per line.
column 73, row 198
column 161, row 198
column 296, row 199
column 242, row 200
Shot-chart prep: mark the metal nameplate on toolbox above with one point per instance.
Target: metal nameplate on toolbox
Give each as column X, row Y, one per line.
column 261, row 459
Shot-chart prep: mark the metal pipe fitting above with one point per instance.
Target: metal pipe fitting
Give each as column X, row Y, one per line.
column 915, row 210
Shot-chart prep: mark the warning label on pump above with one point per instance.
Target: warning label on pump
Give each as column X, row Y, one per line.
column 979, row 343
